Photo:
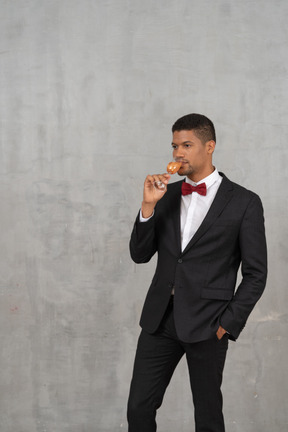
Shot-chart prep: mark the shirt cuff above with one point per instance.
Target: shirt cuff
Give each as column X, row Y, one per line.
column 142, row 219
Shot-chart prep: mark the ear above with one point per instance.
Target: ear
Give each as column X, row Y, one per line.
column 210, row 145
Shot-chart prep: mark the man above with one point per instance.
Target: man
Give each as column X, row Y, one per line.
column 201, row 237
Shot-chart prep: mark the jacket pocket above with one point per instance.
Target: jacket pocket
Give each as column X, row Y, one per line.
column 216, row 294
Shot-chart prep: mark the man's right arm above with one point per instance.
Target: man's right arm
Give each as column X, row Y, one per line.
column 143, row 240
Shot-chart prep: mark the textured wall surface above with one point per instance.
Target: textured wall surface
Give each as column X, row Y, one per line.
column 88, row 93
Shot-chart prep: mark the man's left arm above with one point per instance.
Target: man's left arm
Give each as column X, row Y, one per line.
column 252, row 243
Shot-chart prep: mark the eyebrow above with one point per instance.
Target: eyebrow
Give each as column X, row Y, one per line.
column 183, row 143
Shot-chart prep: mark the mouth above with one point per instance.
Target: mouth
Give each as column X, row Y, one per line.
column 181, row 161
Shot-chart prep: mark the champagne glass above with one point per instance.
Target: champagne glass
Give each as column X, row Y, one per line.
column 172, row 168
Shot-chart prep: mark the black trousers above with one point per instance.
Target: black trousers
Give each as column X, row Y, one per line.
column 156, row 358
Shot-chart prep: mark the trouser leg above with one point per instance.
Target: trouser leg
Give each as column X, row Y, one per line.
column 206, row 361
column 156, row 358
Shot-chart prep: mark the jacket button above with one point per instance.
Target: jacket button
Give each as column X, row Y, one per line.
column 179, row 260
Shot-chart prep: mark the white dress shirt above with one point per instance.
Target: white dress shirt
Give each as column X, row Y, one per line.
column 194, row 207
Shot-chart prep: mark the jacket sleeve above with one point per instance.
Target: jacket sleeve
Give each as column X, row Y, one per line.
column 253, row 249
column 143, row 244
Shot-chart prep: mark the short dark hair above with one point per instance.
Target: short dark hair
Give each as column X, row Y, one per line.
column 201, row 125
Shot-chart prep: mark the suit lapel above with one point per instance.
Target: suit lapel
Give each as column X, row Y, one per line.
column 175, row 206
column 223, row 196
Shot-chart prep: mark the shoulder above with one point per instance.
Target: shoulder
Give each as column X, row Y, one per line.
column 238, row 189
column 241, row 198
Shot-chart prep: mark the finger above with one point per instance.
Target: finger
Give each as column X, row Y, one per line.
column 165, row 178
column 149, row 180
column 161, row 178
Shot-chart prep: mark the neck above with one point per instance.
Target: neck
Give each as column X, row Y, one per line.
column 197, row 177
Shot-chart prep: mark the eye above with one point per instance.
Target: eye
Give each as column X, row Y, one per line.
column 187, row 145
column 174, row 146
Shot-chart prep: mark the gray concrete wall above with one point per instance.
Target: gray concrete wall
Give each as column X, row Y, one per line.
column 89, row 91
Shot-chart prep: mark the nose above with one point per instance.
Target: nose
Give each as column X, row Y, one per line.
column 178, row 153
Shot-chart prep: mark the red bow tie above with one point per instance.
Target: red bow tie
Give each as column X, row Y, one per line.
column 187, row 188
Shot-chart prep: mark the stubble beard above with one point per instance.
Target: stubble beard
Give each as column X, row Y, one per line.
column 185, row 171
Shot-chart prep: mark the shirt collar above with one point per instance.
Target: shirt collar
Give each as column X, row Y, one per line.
column 209, row 180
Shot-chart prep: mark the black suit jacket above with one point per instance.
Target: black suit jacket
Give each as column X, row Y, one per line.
column 204, row 274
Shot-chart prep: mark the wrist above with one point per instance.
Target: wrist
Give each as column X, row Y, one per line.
column 147, row 209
